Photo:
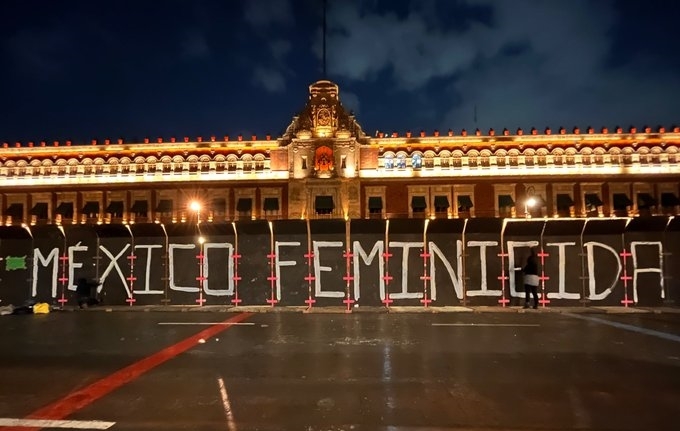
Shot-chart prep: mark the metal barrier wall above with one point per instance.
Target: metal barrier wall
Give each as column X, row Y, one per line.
column 405, row 262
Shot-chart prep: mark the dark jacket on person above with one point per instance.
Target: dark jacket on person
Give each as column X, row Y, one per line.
column 83, row 288
column 85, row 293
column 531, row 268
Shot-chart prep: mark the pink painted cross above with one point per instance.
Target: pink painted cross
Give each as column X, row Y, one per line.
column 347, row 254
column 544, row 298
column 426, row 301
column 310, row 301
column 132, row 257
column 625, row 301
column 625, row 279
column 348, row 278
column 63, row 257
column 387, row 277
column 201, row 300
column 502, row 278
column 503, row 301
column 200, row 256
column 309, row 255
column 131, row 278
column 236, row 300
column 272, row 278
column 624, row 254
column 425, row 255
column 425, row 277
column 310, row 277
column 349, row 301
column 543, row 255
column 387, row 301
column 201, row 278
column 387, row 255
column 236, row 278
column 62, row 300
column 271, row 256
column 272, row 301
column 236, row 256
column 131, row 301
column 501, row 254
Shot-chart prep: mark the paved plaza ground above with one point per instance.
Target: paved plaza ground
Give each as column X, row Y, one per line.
column 455, row 369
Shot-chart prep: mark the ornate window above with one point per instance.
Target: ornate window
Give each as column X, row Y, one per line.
column 401, row 161
column 620, row 202
column 388, row 161
column 504, row 200
column 375, row 202
column 418, row 197
column 463, row 201
column 591, row 200
column 416, row 161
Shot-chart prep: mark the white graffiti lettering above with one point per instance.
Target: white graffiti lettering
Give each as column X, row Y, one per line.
column 72, row 265
column 147, row 282
column 52, row 257
column 561, row 259
column 655, row 270
column 318, row 269
column 230, row 268
column 483, row 290
column 114, row 264
column 405, row 294
column 278, row 263
column 171, row 267
column 455, row 275
column 359, row 252
column 592, row 288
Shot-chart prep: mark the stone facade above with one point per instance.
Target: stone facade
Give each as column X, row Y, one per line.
column 324, row 165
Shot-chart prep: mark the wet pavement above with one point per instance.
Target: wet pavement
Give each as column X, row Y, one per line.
column 334, row 371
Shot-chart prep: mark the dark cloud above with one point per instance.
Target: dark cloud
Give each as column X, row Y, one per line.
column 533, row 63
column 266, row 17
column 280, row 48
column 264, row 13
column 270, row 79
column 270, row 71
column 39, row 53
column 350, row 101
column 213, row 66
column 562, row 79
column 365, row 44
column 194, row 46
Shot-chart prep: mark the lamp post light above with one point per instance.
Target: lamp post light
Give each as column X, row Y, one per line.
column 529, row 203
column 195, row 206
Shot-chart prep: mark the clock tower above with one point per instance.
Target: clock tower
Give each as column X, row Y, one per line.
column 323, row 101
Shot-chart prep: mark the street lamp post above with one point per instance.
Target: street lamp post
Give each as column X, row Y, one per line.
column 195, row 206
column 529, row 203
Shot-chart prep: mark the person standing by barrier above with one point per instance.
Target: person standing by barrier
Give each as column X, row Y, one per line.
column 84, row 293
column 531, row 279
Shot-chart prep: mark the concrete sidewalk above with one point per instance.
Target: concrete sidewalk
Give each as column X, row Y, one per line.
column 398, row 309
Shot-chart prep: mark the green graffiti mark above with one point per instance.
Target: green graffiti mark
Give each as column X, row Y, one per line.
column 12, row 263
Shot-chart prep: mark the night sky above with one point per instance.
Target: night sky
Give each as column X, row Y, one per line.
column 84, row 70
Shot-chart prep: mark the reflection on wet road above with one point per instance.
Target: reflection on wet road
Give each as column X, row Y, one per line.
column 362, row 371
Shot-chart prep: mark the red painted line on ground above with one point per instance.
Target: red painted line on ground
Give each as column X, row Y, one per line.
column 75, row 401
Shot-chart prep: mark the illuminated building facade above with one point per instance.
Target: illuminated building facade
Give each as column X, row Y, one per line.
column 326, row 166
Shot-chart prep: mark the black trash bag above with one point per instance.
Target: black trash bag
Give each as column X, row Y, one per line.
column 26, row 308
